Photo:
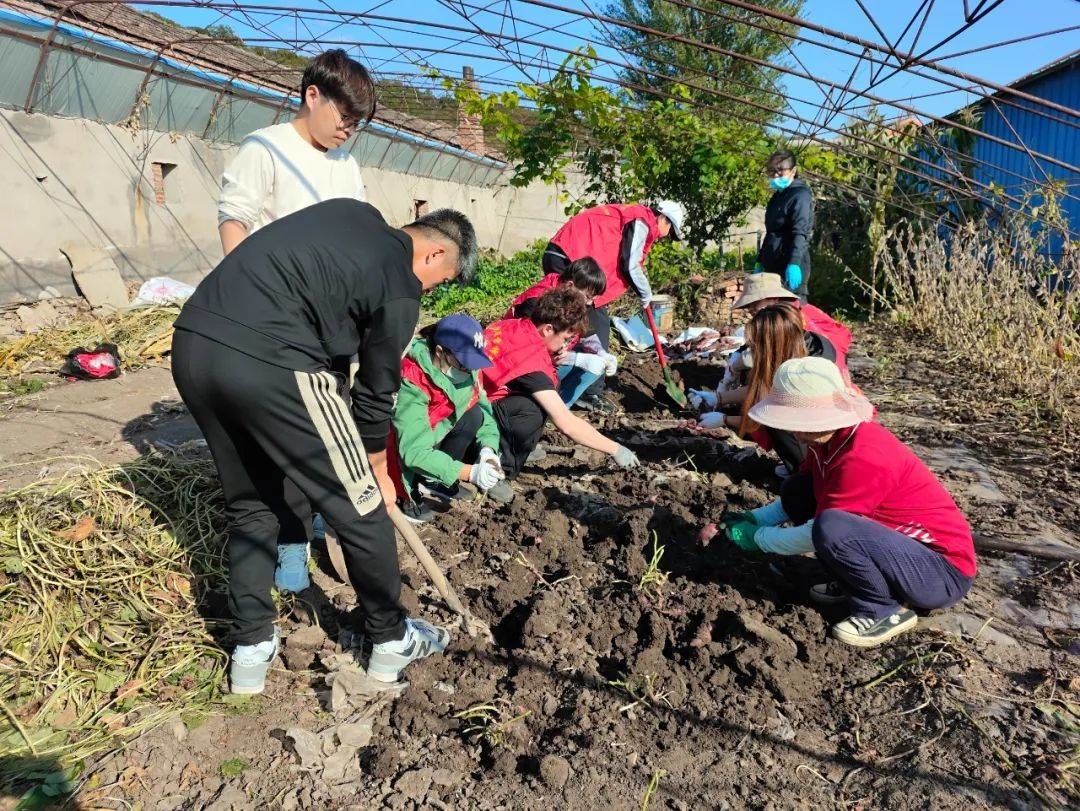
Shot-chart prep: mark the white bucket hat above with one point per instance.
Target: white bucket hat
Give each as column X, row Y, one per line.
column 808, row 394
column 760, row 286
column 676, row 214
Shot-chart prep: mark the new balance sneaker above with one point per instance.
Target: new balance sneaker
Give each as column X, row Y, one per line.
column 867, row 632
column 831, row 593
column 596, row 404
column 248, row 666
column 421, row 639
column 291, row 573
column 415, row 510
column 502, row 493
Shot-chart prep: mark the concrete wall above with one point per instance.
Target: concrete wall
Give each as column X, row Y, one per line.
column 76, row 181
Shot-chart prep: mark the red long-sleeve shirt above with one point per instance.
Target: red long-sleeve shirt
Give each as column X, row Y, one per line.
column 867, row 471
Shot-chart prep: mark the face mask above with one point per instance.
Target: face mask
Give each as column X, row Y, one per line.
column 459, row 376
column 779, row 183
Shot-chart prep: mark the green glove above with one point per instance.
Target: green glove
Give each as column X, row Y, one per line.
column 740, row 529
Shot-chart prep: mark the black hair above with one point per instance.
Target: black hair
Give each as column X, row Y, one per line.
column 428, row 334
column 781, row 159
column 447, row 225
column 586, row 275
column 562, row 307
column 345, row 82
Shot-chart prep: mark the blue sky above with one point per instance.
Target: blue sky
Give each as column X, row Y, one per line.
column 466, row 30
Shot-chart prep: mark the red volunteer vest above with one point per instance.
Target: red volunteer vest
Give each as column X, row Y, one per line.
column 598, row 232
column 515, row 348
column 549, row 282
column 439, row 405
column 819, row 321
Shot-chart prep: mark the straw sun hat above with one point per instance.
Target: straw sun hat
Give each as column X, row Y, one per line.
column 808, row 394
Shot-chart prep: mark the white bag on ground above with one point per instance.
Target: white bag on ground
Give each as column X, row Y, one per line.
column 162, row 290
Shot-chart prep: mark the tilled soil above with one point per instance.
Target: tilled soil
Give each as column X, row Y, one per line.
column 638, row 657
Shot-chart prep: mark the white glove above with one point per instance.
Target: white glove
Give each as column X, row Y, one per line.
column 487, row 472
column 488, row 455
column 737, row 362
column 611, row 362
column 700, row 397
column 645, row 301
column 625, row 458
column 713, row 419
column 593, row 364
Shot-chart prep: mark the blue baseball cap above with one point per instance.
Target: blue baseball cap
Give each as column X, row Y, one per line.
column 462, row 336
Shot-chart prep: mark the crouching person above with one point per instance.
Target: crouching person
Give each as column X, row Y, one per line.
column 251, row 358
column 580, row 366
column 879, row 521
column 445, row 432
column 521, row 383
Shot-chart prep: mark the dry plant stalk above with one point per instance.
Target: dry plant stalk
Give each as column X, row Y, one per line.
column 989, row 293
column 142, row 336
column 100, row 626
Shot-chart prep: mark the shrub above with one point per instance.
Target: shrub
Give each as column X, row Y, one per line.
column 497, row 283
column 990, row 294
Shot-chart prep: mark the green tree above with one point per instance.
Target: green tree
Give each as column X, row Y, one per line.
column 660, row 63
column 626, row 150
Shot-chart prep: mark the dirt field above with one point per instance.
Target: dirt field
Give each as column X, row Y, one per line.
column 636, row 659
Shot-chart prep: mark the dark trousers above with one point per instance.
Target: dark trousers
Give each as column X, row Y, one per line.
column 521, row 422
column 555, row 261
column 880, row 567
column 600, row 325
column 460, row 441
column 269, row 427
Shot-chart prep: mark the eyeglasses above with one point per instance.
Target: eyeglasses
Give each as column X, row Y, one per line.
column 776, row 171
column 343, row 124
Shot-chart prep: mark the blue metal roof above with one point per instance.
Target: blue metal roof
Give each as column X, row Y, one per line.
column 1053, row 133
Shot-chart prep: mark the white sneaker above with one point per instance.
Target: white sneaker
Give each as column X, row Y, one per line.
column 421, row 639
column 247, row 670
column 867, row 632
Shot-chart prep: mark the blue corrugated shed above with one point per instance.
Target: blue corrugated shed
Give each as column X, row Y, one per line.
column 1053, row 133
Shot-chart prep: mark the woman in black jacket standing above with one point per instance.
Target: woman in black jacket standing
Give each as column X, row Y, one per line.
column 789, row 220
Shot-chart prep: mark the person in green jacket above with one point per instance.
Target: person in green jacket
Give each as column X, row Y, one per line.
column 446, row 432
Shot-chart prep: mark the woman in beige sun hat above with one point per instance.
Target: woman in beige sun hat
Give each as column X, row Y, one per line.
column 879, row 521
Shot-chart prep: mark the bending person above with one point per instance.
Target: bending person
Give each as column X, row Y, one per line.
column 252, row 358
column 774, row 335
column 879, row 521
column 619, row 237
column 444, row 429
column 762, row 290
column 521, row 382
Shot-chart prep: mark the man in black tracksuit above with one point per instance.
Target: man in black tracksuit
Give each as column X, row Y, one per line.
column 257, row 357
column 789, row 221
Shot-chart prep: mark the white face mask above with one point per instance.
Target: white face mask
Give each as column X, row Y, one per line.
column 459, row 376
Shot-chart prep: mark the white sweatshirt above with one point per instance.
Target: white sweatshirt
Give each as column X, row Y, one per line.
column 277, row 172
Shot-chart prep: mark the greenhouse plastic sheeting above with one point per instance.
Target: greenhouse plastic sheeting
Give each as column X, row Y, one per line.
column 75, row 83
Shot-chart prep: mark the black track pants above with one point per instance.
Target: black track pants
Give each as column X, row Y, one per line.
column 521, row 423
column 267, row 426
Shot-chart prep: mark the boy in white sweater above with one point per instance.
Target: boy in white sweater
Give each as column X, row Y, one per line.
column 283, row 168
column 286, row 167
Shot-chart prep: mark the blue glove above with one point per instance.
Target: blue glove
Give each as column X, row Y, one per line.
column 792, row 277
column 757, row 267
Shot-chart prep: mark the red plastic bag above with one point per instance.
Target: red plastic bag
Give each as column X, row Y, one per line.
column 100, row 363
